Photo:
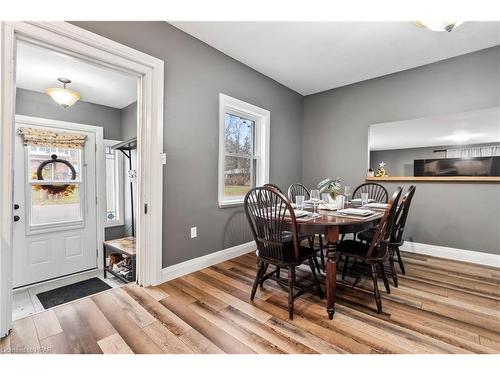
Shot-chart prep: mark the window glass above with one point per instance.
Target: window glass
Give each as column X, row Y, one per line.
column 239, row 135
column 112, row 191
column 49, row 206
column 54, row 171
column 237, row 176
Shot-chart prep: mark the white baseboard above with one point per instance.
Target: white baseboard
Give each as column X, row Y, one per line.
column 197, row 264
column 452, row 253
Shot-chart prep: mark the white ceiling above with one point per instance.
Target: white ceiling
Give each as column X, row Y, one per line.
column 473, row 127
column 38, row 68
column 311, row 57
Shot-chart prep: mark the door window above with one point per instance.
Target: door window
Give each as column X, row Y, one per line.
column 54, row 186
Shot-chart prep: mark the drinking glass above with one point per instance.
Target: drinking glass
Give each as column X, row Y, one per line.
column 364, row 198
column 315, row 198
column 326, row 198
column 299, row 200
column 347, row 193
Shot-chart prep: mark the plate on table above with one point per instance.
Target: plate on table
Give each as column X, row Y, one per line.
column 356, row 212
column 298, row 213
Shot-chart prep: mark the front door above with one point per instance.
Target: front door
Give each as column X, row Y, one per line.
column 55, row 219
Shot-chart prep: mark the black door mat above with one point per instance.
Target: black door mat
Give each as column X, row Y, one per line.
column 71, row 292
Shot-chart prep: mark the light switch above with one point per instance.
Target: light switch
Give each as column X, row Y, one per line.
column 194, row 232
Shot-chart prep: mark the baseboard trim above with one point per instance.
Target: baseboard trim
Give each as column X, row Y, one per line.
column 196, row 264
column 476, row 257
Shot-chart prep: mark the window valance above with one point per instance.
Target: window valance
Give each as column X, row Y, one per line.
column 50, row 138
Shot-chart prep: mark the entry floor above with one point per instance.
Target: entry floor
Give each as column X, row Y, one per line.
column 25, row 301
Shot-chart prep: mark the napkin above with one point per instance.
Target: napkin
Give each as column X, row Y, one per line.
column 356, row 212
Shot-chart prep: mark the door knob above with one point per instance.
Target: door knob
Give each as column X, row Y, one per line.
column 17, row 218
column 16, row 206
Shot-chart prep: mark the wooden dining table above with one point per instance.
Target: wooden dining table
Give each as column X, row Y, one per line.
column 332, row 225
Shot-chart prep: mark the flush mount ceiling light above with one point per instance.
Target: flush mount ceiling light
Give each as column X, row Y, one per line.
column 63, row 96
column 439, row 25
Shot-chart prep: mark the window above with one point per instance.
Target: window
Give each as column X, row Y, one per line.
column 55, row 197
column 114, row 185
column 243, row 149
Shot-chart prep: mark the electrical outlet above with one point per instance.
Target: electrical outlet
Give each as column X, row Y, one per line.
column 194, row 232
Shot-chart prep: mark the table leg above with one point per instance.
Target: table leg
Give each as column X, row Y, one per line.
column 332, row 236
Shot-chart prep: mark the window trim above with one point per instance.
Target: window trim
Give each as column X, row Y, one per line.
column 262, row 118
column 121, row 183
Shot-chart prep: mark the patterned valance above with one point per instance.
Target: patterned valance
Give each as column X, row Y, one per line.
column 50, row 138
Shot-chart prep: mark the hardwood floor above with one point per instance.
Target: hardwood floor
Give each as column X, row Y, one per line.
column 441, row 306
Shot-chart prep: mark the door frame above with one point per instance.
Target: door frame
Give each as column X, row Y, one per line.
column 97, row 49
column 100, row 171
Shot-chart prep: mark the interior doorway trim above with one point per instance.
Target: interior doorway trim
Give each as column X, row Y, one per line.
column 94, row 48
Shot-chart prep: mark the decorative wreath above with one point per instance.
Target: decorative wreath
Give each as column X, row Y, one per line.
column 64, row 189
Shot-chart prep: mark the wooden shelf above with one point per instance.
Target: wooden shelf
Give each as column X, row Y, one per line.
column 436, row 179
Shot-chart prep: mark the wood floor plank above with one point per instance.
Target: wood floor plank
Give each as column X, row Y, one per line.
column 247, row 337
column 285, row 343
column 166, row 340
column 199, row 344
column 216, row 335
column 134, row 310
column 46, row 324
column 5, row 345
column 94, row 319
column 171, row 321
column 24, row 338
column 76, row 331
column 114, row 344
column 199, row 294
column 129, row 331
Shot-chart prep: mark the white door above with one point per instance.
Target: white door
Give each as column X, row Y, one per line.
column 54, row 232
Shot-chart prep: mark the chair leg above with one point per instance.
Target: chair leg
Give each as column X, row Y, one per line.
column 393, row 269
column 263, row 274
column 257, row 279
column 315, row 260
column 400, row 260
column 375, row 288
column 291, row 281
column 351, row 273
column 321, row 253
column 384, row 277
column 278, row 273
column 344, row 270
column 316, row 282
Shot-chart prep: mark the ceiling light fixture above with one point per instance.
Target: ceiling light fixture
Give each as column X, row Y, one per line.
column 439, row 25
column 63, row 96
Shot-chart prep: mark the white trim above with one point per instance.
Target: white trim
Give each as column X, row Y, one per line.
column 262, row 118
column 119, row 166
column 97, row 49
column 196, row 264
column 475, row 257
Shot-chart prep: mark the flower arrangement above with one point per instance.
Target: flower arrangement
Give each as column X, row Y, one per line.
column 331, row 186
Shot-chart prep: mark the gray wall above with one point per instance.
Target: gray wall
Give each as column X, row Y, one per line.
column 195, row 74
column 460, row 215
column 128, row 121
column 31, row 103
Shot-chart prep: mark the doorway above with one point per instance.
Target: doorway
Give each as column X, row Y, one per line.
column 63, row 218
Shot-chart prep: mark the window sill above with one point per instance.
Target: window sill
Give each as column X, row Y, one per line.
column 228, row 204
column 111, row 225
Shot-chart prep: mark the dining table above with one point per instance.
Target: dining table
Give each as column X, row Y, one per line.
column 332, row 224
